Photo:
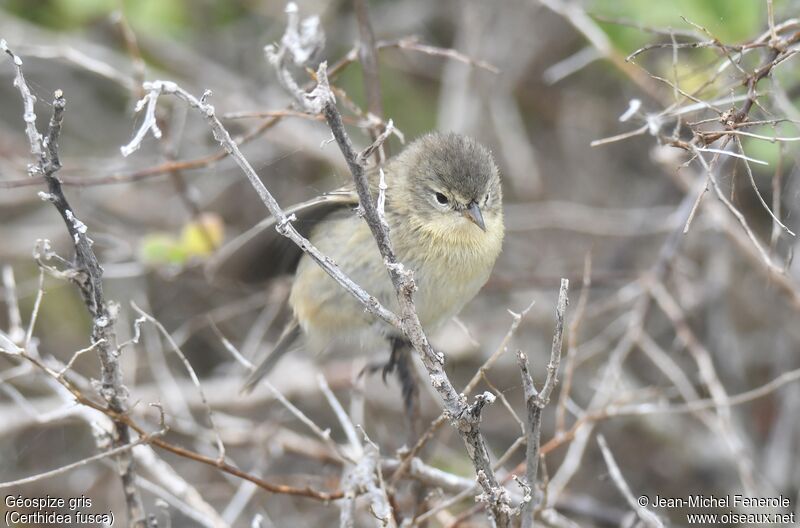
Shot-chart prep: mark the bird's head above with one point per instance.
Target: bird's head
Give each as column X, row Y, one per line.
column 451, row 189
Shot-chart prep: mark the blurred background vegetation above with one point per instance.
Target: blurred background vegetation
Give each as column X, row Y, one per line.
column 565, row 199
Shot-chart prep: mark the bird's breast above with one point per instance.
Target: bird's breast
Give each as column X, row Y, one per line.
column 451, row 263
column 449, row 266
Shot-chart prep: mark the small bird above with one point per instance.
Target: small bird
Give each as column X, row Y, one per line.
column 445, row 216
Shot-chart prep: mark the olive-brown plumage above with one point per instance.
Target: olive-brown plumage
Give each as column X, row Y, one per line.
column 444, row 210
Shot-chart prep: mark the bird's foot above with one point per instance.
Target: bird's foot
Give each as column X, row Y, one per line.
column 400, row 361
column 386, row 367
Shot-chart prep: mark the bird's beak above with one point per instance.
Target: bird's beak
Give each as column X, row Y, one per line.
column 473, row 214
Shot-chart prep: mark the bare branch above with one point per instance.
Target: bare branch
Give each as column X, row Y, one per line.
column 283, row 224
column 368, row 56
column 466, row 418
column 755, row 188
column 344, row 420
column 86, row 273
column 16, row 333
column 646, row 516
column 572, row 342
column 412, row 43
column 555, row 350
column 192, row 375
column 126, row 419
column 69, row 467
column 29, row 103
column 536, row 401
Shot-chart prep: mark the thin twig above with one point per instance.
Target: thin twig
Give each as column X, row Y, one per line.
column 572, row 343
column 37, row 303
column 755, row 188
column 708, row 403
column 77, row 354
column 69, row 467
column 344, row 420
column 465, row 417
column 17, row 335
column 126, row 419
column 283, row 224
column 412, row 43
column 192, row 376
column 516, row 320
column 646, row 516
column 536, row 401
column 368, row 56
column 86, row 273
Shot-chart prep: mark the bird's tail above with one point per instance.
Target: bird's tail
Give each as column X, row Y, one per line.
column 287, row 339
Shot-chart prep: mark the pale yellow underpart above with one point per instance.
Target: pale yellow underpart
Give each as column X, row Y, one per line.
column 450, row 256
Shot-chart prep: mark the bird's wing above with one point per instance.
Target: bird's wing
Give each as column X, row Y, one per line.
column 261, row 253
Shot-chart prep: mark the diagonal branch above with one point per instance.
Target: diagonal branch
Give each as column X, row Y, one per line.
column 284, row 223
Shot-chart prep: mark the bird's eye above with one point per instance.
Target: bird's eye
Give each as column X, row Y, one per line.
column 441, row 198
column 486, row 200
